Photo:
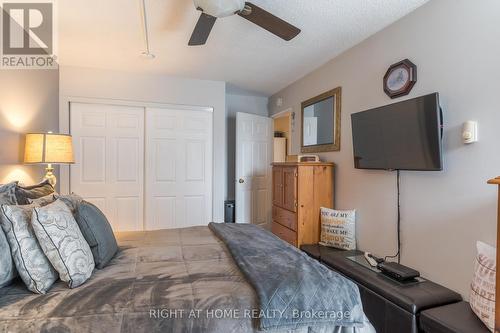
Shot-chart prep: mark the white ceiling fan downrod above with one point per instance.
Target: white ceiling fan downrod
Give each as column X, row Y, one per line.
column 147, row 53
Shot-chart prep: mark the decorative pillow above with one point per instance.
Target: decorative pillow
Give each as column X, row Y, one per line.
column 98, row 233
column 63, row 243
column 7, row 269
column 43, row 201
column 338, row 228
column 482, row 296
column 24, row 193
column 8, row 194
column 71, row 200
column 31, row 263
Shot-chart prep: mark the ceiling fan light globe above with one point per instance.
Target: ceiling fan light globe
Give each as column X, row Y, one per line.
column 220, row 8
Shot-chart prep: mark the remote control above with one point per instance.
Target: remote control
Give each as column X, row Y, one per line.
column 370, row 259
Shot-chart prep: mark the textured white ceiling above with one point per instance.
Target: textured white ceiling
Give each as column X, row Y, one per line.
column 108, row 34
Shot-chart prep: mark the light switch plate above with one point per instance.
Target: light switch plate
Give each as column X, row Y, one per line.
column 469, row 132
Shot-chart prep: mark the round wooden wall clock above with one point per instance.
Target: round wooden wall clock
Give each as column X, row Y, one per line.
column 400, row 78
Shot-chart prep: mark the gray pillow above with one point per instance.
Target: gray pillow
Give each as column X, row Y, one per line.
column 24, row 193
column 71, row 200
column 7, row 269
column 63, row 243
column 8, row 194
column 98, row 233
column 32, row 265
column 43, row 201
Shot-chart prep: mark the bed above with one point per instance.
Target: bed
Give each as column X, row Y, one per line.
column 182, row 280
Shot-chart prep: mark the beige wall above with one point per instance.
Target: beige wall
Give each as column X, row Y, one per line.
column 108, row 84
column 455, row 44
column 29, row 102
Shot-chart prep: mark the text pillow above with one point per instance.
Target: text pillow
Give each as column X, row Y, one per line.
column 63, row 243
column 98, row 233
column 32, row 265
column 482, row 296
column 338, row 228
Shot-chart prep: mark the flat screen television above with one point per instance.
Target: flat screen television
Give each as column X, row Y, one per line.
column 401, row 136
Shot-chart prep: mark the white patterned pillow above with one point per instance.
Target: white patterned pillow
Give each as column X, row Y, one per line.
column 31, row 263
column 63, row 243
column 338, row 228
column 7, row 267
column 482, row 296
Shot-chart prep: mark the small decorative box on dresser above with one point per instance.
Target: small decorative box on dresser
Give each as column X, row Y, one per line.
column 299, row 190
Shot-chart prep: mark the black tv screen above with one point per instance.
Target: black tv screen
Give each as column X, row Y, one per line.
column 400, row 136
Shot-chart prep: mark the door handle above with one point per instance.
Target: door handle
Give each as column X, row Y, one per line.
column 241, row 181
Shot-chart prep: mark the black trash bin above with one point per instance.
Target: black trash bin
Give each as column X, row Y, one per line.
column 229, row 211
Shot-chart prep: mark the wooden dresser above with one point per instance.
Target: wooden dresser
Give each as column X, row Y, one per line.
column 299, row 190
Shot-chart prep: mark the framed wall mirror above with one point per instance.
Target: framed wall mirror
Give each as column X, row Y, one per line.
column 320, row 130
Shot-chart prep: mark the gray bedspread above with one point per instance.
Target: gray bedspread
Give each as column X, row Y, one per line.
column 181, row 280
column 293, row 290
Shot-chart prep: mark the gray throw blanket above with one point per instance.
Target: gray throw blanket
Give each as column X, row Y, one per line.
column 293, row 289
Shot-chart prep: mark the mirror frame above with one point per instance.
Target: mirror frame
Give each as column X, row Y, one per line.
column 335, row 146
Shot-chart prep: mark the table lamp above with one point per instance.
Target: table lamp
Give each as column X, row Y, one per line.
column 48, row 148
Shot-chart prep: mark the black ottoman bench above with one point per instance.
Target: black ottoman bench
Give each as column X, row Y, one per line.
column 392, row 307
column 452, row 318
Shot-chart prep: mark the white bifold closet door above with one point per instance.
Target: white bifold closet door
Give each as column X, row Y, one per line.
column 145, row 168
column 109, row 161
column 178, row 168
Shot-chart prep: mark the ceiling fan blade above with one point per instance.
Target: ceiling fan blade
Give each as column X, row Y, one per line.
column 268, row 21
column 202, row 30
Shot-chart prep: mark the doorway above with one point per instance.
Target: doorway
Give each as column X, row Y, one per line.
column 282, row 138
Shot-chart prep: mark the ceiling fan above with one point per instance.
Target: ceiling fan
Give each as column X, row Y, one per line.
column 214, row 9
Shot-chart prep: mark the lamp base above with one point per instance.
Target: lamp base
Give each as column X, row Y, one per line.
column 49, row 175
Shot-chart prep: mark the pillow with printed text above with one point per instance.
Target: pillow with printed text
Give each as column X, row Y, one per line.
column 482, row 296
column 338, row 228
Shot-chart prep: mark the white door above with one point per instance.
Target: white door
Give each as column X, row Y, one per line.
column 310, row 131
column 253, row 168
column 109, row 161
column 178, row 168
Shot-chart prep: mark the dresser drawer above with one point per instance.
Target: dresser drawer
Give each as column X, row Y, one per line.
column 284, row 233
column 285, row 217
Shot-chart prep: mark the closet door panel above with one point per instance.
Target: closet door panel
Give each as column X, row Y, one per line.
column 109, row 168
column 178, row 168
column 93, row 165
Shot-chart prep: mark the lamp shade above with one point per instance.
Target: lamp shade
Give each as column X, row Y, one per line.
column 48, row 148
